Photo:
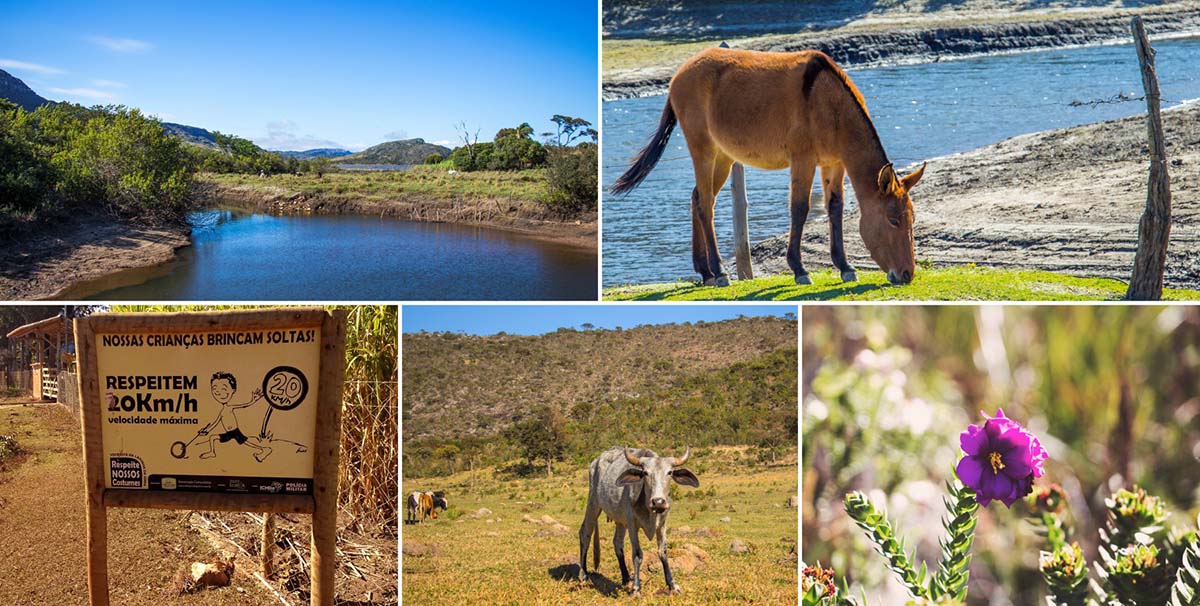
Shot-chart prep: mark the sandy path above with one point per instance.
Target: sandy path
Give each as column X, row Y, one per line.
column 39, row 264
column 1064, row 200
column 42, row 529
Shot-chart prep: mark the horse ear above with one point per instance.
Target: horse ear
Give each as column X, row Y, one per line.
column 910, row 180
column 887, row 179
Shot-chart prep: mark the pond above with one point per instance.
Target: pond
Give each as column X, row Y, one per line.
column 248, row 256
column 921, row 112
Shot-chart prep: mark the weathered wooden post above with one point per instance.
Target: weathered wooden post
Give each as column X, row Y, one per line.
column 741, row 222
column 1154, row 229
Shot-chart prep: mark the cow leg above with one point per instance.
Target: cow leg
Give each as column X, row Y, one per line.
column 832, row 178
column 636, row 545
column 661, row 536
column 801, row 186
column 619, row 549
column 591, row 518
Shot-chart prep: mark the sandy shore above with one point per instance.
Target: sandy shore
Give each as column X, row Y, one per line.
column 43, row 263
column 524, row 217
column 1064, row 200
column 654, row 41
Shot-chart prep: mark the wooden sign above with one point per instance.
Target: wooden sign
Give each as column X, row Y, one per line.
column 228, row 411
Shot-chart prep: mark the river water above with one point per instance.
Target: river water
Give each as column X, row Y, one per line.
column 920, row 111
column 249, row 256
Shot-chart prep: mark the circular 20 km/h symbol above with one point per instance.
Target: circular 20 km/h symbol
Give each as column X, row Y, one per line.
column 284, row 387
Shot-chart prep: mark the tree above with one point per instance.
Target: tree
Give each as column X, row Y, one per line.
column 469, row 141
column 542, row 435
column 319, row 165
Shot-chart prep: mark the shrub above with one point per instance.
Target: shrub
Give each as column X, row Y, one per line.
column 573, row 180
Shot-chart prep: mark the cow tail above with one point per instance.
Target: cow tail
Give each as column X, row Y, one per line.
column 596, row 547
column 649, row 156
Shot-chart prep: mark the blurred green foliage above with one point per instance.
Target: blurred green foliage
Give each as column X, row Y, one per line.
column 1112, row 392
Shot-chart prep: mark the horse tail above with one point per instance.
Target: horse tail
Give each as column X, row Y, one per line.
column 596, row 546
column 649, row 156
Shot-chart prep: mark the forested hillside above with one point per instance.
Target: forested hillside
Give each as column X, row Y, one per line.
column 702, row 384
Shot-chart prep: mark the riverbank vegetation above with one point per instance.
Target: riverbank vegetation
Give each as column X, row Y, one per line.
column 958, row 283
column 471, row 400
column 64, row 158
column 569, row 156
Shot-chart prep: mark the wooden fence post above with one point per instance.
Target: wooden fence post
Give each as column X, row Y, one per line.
column 1154, row 229
column 741, row 222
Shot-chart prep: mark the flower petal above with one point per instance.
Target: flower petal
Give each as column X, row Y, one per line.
column 970, row 472
column 973, row 441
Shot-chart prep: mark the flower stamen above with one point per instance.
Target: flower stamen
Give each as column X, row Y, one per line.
column 996, row 461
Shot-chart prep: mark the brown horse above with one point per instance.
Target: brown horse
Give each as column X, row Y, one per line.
column 784, row 110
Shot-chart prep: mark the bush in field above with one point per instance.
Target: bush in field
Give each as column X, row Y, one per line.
column 571, row 173
column 434, row 159
column 127, row 162
column 541, row 436
column 109, row 157
column 25, row 178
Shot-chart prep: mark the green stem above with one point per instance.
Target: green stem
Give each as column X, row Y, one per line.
column 953, row 572
column 1186, row 589
column 879, row 530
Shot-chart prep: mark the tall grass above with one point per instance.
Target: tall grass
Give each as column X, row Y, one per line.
column 370, row 418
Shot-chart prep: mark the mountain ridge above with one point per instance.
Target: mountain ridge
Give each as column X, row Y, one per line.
column 403, row 151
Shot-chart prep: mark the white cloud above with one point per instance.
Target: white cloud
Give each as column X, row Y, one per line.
column 29, row 67
column 86, row 93
column 121, row 45
column 396, row 135
column 444, row 143
column 281, row 135
column 108, row 84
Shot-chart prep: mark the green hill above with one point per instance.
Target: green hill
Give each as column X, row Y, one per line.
column 702, row 384
column 408, row 151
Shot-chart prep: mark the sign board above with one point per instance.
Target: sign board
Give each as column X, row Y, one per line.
column 233, row 411
column 210, row 411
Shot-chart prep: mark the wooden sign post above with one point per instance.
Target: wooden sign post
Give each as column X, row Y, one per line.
column 222, row 411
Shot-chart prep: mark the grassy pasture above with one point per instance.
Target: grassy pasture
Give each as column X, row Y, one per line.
column 434, row 181
column 959, row 283
column 473, row 557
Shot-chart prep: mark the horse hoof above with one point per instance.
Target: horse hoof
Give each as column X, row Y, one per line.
column 710, row 281
column 850, row 276
column 722, row 281
column 803, row 279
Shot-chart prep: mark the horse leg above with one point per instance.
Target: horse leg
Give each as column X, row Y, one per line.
column 801, row 187
column 832, row 178
column 706, row 258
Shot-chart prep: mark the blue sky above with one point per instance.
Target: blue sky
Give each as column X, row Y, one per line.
column 298, row 75
column 540, row 319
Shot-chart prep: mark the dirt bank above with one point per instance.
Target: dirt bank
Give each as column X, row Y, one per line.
column 52, row 256
column 644, row 67
column 1064, row 200
column 525, row 217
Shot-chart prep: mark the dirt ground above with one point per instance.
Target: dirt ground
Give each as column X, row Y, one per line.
column 40, row 264
column 42, row 529
column 1065, row 200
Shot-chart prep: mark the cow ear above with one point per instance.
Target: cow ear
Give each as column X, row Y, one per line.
column 685, row 477
column 633, row 475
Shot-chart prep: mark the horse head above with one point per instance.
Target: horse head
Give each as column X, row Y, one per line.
column 886, row 224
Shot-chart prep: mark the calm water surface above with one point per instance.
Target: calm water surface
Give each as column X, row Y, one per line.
column 920, row 111
column 238, row 256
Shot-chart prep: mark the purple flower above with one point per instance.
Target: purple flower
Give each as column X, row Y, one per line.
column 1001, row 461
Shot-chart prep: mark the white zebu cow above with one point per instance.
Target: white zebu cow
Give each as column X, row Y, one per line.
column 631, row 486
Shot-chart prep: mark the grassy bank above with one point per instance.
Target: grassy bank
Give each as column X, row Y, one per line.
column 959, row 283
column 524, row 544
column 433, row 182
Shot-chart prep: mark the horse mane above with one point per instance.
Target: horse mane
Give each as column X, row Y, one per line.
column 820, row 63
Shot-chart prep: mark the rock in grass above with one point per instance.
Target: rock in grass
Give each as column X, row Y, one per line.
column 419, row 550
column 740, row 546
column 200, row 576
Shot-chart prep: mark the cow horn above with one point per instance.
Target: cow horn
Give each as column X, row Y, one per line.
column 632, row 458
column 681, row 460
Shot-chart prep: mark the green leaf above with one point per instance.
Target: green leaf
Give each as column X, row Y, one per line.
column 954, row 569
column 880, row 531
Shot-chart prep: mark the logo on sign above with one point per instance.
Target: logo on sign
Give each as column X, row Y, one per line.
column 125, row 472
